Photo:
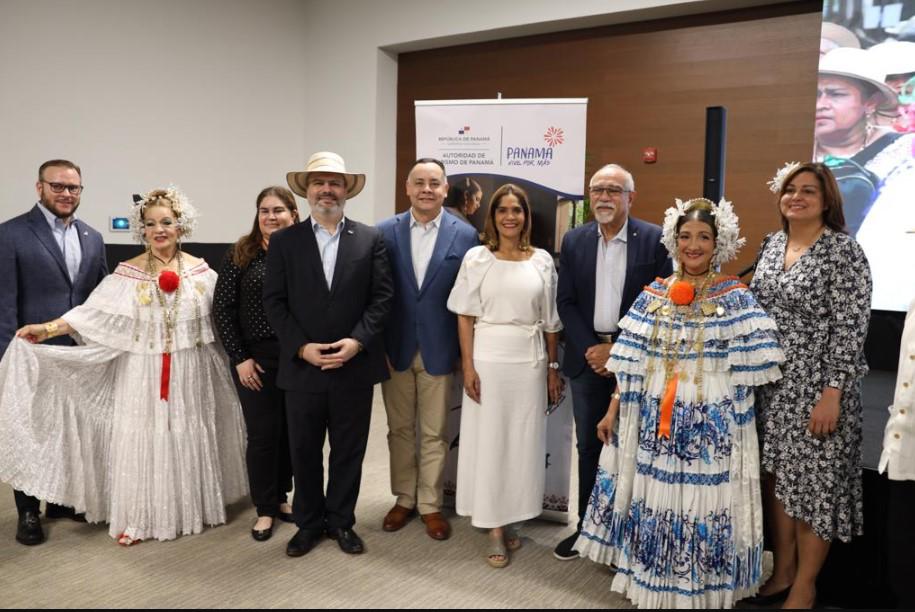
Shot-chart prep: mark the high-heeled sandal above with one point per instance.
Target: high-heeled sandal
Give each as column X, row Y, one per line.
column 125, row 540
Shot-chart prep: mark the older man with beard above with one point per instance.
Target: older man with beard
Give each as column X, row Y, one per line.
column 49, row 262
column 603, row 266
column 327, row 294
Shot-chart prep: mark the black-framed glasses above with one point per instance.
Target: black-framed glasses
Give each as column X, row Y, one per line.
column 59, row 187
column 612, row 191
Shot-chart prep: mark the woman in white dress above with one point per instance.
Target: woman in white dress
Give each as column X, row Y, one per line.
column 139, row 426
column 505, row 296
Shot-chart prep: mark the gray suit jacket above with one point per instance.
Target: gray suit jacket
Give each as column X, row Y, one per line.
column 34, row 284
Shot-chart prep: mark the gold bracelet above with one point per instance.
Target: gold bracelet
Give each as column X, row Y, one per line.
column 50, row 329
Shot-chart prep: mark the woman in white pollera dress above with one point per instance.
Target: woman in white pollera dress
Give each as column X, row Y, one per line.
column 139, row 426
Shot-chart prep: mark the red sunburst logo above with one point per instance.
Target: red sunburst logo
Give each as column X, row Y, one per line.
column 554, row 136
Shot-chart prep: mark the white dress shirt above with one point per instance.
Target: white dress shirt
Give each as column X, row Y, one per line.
column 898, row 458
column 422, row 243
column 610, row 275
column 67, row 237
column 328, row 245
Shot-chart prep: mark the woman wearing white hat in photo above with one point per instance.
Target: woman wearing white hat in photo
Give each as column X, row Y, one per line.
column 873, row 165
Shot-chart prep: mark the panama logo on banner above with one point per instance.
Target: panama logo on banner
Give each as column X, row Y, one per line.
column 538, row 145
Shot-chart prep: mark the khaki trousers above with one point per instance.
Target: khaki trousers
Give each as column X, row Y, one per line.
column 415, row 397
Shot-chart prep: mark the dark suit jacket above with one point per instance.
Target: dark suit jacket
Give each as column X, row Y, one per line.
column 420, row 318
column 34, row 284
column 301, row 309
column 646, row 259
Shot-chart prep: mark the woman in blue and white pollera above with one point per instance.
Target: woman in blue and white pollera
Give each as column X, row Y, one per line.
column 676, row 504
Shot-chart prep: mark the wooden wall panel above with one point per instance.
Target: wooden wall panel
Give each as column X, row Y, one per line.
column 648, row 84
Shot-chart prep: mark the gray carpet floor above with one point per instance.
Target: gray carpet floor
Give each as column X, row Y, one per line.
column 80, row 566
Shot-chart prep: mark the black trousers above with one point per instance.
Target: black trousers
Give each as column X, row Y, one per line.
column 901, row 542
column 267, row 455
column 590, row 398
column 27, row 503
column 343, row 414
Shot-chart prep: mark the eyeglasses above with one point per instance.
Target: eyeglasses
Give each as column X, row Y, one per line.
column 612, row 191
column 59, row 187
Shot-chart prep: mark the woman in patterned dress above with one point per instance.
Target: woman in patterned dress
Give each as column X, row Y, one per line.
column 814, row 280
column 676, row 504
column 253, row 349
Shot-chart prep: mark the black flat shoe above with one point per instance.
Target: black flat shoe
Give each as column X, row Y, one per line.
column 28, row 530
column 346, row 538
column 53, row 511
column 771, row 598
column 302, row 542
column 262, row 535
column 286, row 517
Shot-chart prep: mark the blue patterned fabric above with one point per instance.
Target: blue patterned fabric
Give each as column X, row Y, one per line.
column 681, row 516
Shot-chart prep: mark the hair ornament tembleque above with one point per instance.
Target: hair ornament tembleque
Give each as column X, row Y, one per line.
column 726, row 225
column 185, row 213
column 775, row 183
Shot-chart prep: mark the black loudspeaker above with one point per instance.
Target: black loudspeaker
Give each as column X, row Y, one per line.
column 716, row 119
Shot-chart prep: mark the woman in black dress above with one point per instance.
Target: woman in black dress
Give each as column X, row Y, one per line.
column 253, row 349
column 814, row 280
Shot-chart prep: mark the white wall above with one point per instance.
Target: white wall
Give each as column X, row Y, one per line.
column 206, row 94
column 222, row 97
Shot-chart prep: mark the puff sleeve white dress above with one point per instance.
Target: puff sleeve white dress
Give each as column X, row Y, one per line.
column 502, row 454
column 87, row 426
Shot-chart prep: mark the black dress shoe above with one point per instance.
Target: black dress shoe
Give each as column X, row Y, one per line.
column 563, row 550
column 262, row 535
column 349, row 542
column 29, row 531
column 53, row 511
column 771, row 598
column 302, row 542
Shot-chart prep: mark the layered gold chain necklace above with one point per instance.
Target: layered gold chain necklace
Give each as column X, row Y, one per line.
column 682, row 303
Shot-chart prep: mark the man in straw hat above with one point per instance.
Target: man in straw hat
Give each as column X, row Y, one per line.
column 327, row 293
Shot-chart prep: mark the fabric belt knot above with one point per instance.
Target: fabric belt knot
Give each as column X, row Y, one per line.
column 538, row 345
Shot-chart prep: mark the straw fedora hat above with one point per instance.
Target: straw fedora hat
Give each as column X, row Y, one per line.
column 858, row 65
column 325, row 161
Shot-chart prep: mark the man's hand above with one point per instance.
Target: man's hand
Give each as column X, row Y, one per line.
column 597, row 356
column 330, row 356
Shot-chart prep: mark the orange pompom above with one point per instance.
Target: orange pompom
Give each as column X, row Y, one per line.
column 682, row 293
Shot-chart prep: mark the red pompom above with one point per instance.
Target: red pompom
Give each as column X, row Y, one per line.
column 682, row 293
column 168, row 281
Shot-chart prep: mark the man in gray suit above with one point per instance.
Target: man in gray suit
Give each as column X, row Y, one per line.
column 49, row 263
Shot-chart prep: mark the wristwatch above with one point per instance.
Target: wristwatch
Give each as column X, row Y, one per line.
column 553, row 365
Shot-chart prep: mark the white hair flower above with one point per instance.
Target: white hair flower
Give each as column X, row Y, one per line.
column 775, row 183
column 727, row 229
column 185, row 213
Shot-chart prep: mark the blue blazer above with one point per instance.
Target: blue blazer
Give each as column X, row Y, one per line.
column 646, row 259
column 420, row 320
column 34, row 284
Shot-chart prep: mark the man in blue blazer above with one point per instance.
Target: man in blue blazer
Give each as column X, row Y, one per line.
column 603, row 266
column 49, row 263
column 426, row 246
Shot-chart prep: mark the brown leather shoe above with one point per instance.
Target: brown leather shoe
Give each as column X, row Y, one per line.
column 397, row 517
column 437, row 526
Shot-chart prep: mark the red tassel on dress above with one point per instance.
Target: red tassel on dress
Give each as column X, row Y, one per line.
column 166, row 375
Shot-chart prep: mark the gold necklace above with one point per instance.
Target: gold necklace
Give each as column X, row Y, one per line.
column 673, row 352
